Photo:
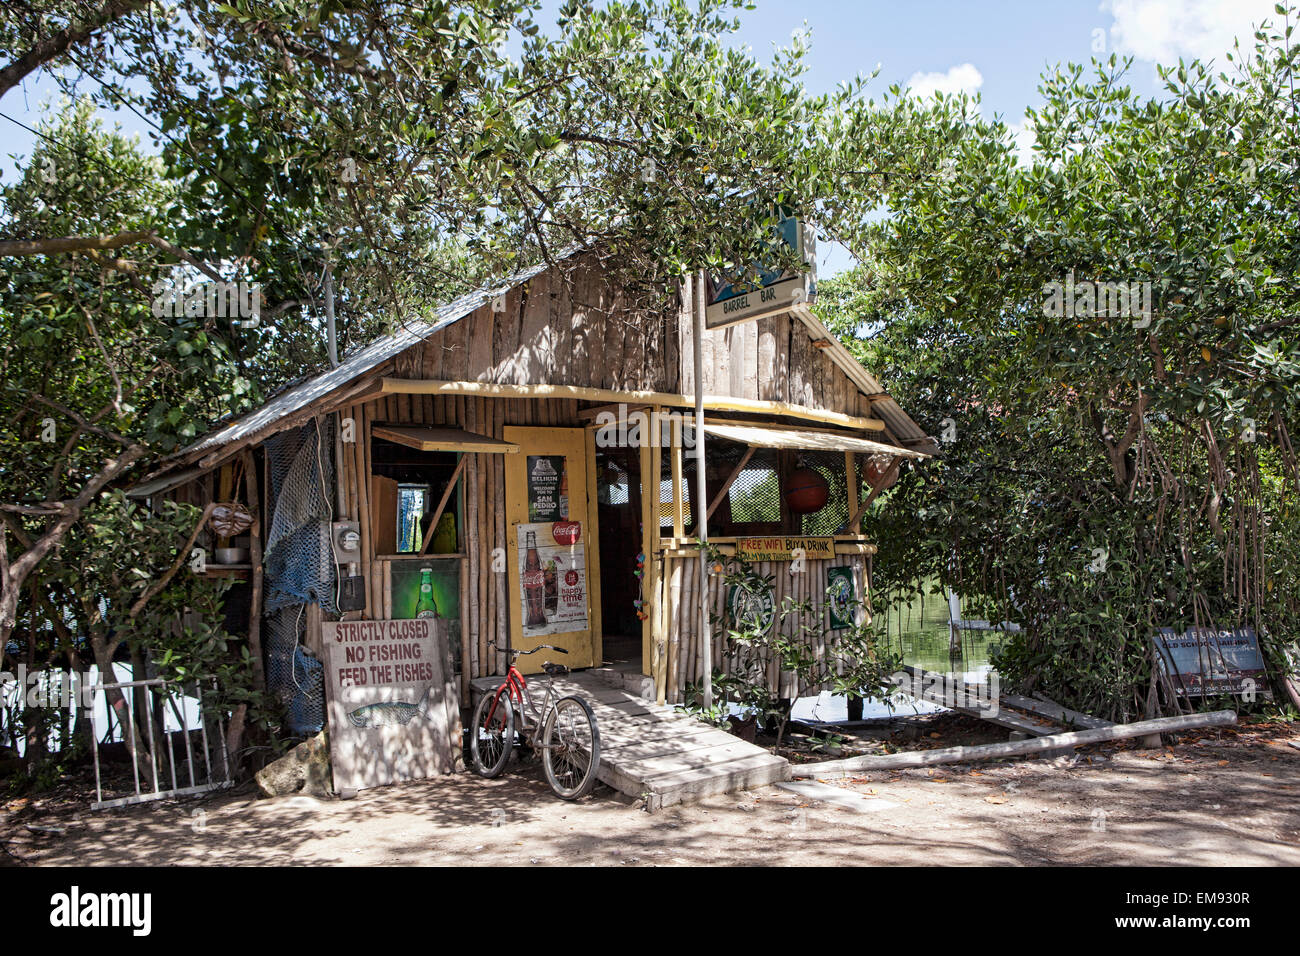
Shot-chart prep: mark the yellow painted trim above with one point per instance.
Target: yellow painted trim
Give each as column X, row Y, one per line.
column 840, row 550
column 409, row 386
column 649, row 536
column 595, row 613
column 442, row 439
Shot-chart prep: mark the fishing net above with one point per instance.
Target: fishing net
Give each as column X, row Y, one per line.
column 299, row 561
column 294, row 677
column 307, row 707
column 299, row 567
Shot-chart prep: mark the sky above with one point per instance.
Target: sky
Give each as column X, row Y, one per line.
column 996, row 48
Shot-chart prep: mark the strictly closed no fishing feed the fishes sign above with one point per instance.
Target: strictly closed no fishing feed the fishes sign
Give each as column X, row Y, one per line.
column 394, row 706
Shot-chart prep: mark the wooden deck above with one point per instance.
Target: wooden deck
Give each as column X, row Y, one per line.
column 655, row 752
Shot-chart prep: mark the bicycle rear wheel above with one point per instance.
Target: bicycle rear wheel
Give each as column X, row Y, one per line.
column 571, row 748
column 492, row 735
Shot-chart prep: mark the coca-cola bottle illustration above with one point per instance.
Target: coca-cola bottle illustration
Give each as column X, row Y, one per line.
column 534, row 585
column 552, row 593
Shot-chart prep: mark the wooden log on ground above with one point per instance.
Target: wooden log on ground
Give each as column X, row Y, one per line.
column 1015, row 748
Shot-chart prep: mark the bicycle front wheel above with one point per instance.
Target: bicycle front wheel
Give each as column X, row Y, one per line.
column 492, row 735
column 571, row 748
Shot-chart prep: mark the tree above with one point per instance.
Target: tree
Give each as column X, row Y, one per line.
column 93, row 379
column 1106, row 474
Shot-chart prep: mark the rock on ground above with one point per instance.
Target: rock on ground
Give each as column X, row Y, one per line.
column 304, row 769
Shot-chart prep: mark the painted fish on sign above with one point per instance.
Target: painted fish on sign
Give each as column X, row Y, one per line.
column 389, row 713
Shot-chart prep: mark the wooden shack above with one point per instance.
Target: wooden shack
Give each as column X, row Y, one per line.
column 536, row 426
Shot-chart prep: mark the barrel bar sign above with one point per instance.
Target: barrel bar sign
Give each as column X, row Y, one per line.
column 773, row 292
column 393, row 701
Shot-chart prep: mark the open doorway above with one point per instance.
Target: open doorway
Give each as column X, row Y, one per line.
column 618, row 497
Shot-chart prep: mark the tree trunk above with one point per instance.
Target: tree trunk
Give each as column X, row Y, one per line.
column 117, row 704
column 14, row 574
column 855, row 707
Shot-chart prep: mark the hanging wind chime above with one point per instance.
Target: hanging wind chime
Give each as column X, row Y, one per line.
column 639, row 604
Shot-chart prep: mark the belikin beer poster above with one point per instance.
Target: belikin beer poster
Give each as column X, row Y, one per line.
column 552, row 577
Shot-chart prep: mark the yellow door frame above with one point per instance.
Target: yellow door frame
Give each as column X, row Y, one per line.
column 577, row 445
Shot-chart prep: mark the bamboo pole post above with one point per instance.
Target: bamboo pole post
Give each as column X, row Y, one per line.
column 679, row 490
column 489, row 588
column 650, row 527
column 255, row 556
column 363, row 508
column 387, row 569
column 702, row 518
column 675, row 630
column 467, row 655
column 500, row 530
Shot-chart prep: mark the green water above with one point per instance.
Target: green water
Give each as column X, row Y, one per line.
column 918, row 629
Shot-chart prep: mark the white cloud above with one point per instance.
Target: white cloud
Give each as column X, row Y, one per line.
column 1022, row 141
column 1164, row 30
column 963, row 78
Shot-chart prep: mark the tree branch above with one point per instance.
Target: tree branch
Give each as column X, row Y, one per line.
column 54, row 46
column 33, row 247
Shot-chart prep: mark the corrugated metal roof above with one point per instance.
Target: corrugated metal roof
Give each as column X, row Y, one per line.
column 147, row 488
column 357, row 364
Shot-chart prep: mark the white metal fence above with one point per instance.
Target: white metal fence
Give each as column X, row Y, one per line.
column 205, row 765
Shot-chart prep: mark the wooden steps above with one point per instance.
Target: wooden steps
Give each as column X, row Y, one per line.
column 657, row 753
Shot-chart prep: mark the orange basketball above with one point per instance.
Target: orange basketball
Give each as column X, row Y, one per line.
column 806, row 491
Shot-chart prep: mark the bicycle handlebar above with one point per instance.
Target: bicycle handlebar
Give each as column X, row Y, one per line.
column 518, row 653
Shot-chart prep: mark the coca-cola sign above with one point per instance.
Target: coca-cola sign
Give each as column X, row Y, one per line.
column 566, row 532
column 552, row 578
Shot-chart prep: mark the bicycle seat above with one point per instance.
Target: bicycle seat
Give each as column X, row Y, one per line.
column 555, row 670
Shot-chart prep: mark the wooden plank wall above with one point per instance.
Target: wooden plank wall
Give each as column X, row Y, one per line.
column 572, row 328
column 681, row 595
column 772, row 360
column 560, row 328
column 484, row 601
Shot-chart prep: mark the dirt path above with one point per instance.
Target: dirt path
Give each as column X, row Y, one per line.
column 1223, row 800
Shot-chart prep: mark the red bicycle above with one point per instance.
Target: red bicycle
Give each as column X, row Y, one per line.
column 563, row 730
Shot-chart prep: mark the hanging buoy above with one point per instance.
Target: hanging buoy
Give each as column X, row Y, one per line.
column 877, row 466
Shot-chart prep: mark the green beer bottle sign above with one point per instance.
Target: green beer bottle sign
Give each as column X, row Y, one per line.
column 425, row 607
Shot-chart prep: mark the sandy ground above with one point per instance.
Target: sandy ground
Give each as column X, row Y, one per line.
column 1224, row 799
